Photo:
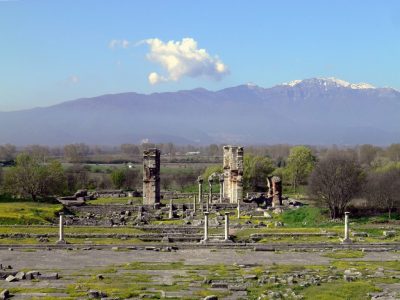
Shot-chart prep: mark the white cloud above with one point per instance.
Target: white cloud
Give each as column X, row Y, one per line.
column 183, row 58
column 119, row 44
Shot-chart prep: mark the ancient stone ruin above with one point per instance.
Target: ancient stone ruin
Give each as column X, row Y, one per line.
column 233, row 173
column 151, row 176
column 275, row 190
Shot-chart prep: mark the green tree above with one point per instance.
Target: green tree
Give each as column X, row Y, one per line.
column 29, row 177
column 256, row 170
column 118, row 177
column 300, row 164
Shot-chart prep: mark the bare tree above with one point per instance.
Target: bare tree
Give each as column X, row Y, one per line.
column 335, row 180
column 38, row 152
column 7, row 152
column 76, row 152
column 382, row 190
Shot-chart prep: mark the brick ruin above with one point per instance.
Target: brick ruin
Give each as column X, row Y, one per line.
column 233, row 173
column 151, row 176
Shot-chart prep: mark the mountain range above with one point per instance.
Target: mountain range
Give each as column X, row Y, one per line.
column 322, row 111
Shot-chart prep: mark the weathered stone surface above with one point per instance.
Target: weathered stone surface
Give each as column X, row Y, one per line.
column 212, row 297
column 32, row 275
column 250, row 277
column 11, row 278
column 48, row 276
column 151, row 176
column 219, row 285
column 4, row 295
column 20, row 275
column 359, row 234
column 95, row 294
column 233, row 173
column 389, row 233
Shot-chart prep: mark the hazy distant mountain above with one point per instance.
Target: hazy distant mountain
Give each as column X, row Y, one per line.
column 312, row 111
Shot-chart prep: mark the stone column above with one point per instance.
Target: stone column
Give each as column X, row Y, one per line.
column 171, row 212
column 226, row 226
column 205, row 226
column 346, row 228
column 200, row 181
column 238, row 210
column 151, row 176
column 209, row 190
column 61, row 239
column 221, row 189
column 140, row 209
column 208, row 203
column 194, row 203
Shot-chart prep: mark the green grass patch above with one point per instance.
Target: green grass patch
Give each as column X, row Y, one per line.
column 344, row 254
column 25, row 213
column 340, row 290
column 305, row 216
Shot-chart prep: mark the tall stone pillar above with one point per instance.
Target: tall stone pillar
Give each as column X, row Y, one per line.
column 233, row 173
column 171, row 211
column 221, row 188
column 151, row 176
column 226, row 226
column 61, row 239
column 205, row 226
column 346, row 239
column 194, row 204
column 275, row 190
column 209, row 190
column 200, row 181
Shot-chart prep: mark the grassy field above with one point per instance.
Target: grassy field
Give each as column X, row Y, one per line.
column 26, row 213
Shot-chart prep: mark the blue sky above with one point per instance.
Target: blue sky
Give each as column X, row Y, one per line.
column 53, row 51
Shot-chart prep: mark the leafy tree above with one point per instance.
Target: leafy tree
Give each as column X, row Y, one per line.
column 118, row 177
column 382, row 190
column 256, row 170
column 299, row 165
column 31, row 178
column 335, row 180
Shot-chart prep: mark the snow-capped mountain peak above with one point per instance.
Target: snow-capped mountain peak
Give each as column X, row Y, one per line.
column 330, row 81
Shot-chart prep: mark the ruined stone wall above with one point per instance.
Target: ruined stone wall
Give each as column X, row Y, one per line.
column 233, row 173
column 151, row 176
